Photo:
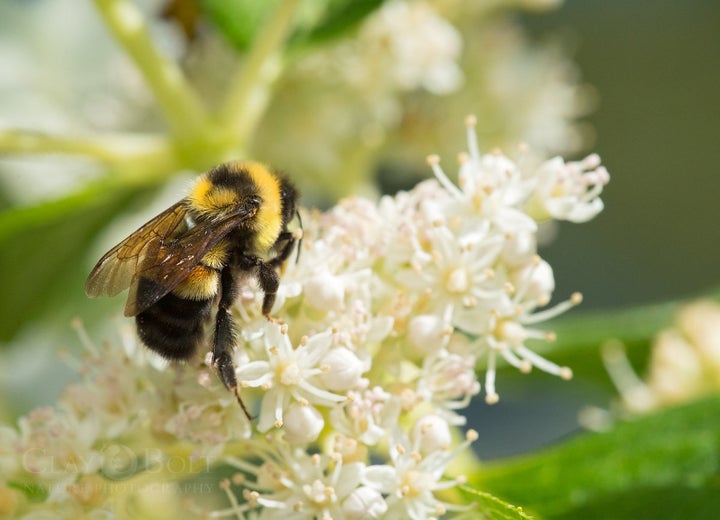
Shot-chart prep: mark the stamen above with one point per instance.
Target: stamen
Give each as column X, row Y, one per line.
column 472, row 141
column 543, row 364
column 79, row 327
column 434, row 162
column 591, row 162
column 515, row 361
column 322, row 394
column 544, row 315
column 491, row 396
column 630, row 386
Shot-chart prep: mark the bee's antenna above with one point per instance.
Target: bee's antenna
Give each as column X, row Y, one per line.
column 299, row 246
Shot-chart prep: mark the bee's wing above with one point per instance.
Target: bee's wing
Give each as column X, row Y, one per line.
column 161, row 253
column 116, row 270
column 169, row 262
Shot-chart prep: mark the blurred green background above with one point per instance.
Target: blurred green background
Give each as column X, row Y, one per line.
column 655, row 66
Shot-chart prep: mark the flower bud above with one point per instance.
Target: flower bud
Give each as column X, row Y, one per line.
column 325, row 292
column 302, row 424
column 426, row 333
column 364, row 503
column 432, row 433
column 342, row 369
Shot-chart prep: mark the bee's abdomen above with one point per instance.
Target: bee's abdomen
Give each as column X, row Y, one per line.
column 173, row 327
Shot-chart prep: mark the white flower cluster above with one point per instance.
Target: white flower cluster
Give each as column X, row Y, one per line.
column 382, row 323
column 414, row 48
column 387, row 315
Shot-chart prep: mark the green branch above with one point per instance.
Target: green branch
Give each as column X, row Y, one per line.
column 180, row 105
column 250, row 88
column 146, row 152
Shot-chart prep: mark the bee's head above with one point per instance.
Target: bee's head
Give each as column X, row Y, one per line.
column 228, row 186
column 247, row 185
column 218, row 191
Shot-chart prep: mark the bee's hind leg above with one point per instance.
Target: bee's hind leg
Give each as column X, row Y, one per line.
column 224, row 337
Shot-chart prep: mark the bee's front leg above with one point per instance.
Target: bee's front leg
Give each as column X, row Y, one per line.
column 269, row 283
column 268, row 279
column 288, row 241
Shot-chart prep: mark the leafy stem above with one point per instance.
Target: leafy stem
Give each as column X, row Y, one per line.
column 179, row 103
column 127, row 152
column 250, row 87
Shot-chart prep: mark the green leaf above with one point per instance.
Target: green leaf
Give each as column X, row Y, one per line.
column 43, row 262
column 491, row 507
column 581, row 334
column 339, row 17
column 34, row 492
column 630, row 325
column 238, row 20
column 647, row 467
column 320, row 21
column 671, row 503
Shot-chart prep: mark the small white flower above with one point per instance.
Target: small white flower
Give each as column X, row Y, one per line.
column 412, row 479
column 354, row 234
column 492, row 188
column 428, row 333
column 205, row 413
column 342, row 370
column 113, row 389
column 512, row 198
column 431, row 433
column 290, row 483
column 288, row 374
column 366, row 415
column 364, row 503
column 303, row 424
column 510, row 327
column 454, row 272
column 56, row 447
column 448, row 381
column 569, row 191
column 519, row 247
column 325, row 292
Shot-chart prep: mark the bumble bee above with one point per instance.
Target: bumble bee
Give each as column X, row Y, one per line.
column 188, row 259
